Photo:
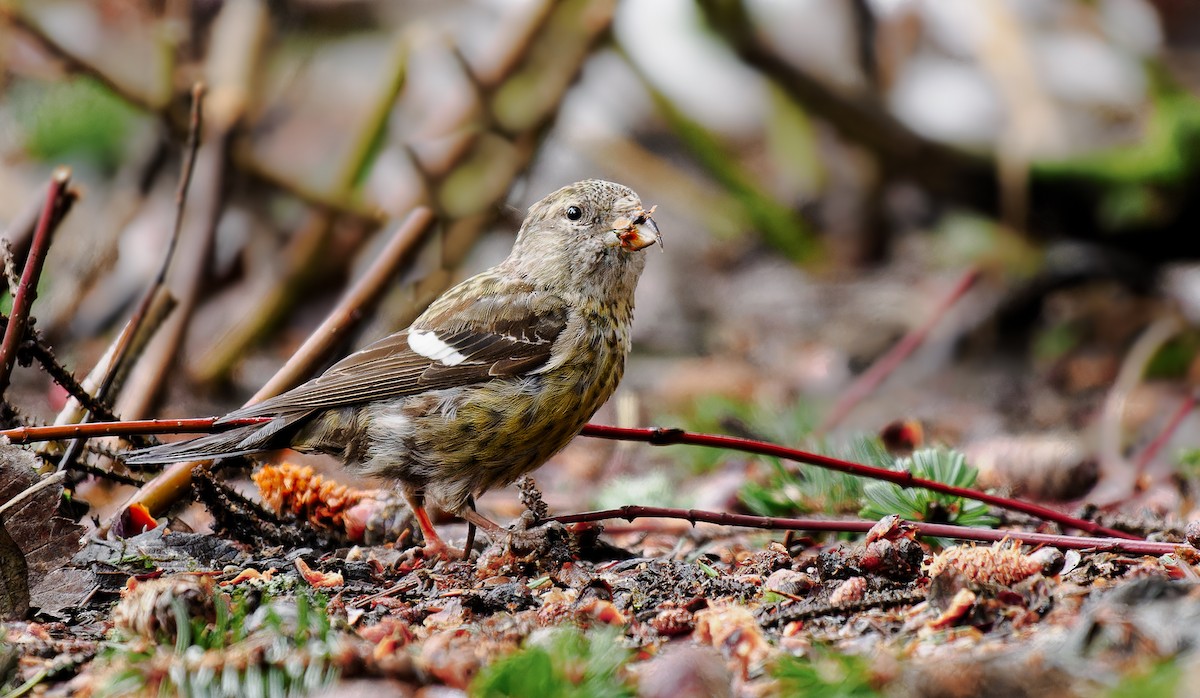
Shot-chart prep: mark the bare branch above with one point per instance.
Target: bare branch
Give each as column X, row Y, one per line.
column 869, row 380
column 58, row 201
column 1116, row 545
column 658, row 436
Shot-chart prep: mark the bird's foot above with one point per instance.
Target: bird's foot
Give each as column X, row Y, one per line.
column 438, row 549
column 435, row 548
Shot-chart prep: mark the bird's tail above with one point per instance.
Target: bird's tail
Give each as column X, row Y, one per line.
column 242, row 441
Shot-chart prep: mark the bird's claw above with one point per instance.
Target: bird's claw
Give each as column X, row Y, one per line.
column 439, row 550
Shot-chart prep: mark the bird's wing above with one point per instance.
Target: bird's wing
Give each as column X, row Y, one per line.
column 449, row 350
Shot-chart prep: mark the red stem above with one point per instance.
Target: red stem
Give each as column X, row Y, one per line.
column 198, row 425
column 658, row 436
column 655, row 436
column 1164, row 436
column 629, row 513
column 18, row 320
column 882, row 368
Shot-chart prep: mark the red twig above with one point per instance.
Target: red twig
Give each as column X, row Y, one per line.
column 1152, row 449
column 653, row 436
column 629, row 513
column 663, row 437
column 197, row 425
column 57, row 201
column 882, row 368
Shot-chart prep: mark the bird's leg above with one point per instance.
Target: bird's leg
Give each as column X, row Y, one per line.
column 470, row 529
column 494, row 530
column 434, row 545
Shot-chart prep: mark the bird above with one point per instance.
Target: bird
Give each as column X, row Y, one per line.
column 497, row 375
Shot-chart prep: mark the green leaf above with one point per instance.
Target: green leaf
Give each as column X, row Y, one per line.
column 1162, row 679
column 77, row 118
column 1173, row 360
column 296, row 663
column 565, row 663
column 916, row 504
column 824, row 674
column 801, row 489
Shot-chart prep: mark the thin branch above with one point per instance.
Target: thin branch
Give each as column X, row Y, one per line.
column 1118, row 474
column 58, row 202
column 1152, row 449
column 353, row 306
column 75, row 409
column 887, row 364
column 58, row 432
column 653, row 436
column 121, row 354
column 1115, row 545
column 41, row 352
column 658, row 436
column 308, row 250
column 187, row 169
column 173, row 481
column 243, row 158
column 76, row 64
column 82, row 468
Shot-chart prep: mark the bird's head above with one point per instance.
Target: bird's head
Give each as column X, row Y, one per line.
column 590, row 232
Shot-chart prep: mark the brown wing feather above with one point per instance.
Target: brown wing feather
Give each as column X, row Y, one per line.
column 389, row 368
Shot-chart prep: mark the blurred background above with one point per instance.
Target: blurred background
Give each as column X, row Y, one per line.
column 1017, row 177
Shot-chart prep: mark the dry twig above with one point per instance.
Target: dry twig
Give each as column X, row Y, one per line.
column 120, row 356
column 1143, row 460
column 169, row 485
column 58, row 201
column 869, row 380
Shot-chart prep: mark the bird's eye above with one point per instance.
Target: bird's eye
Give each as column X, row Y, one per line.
column 574, row 213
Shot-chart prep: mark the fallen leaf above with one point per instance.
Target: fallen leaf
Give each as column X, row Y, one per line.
column 317, row 579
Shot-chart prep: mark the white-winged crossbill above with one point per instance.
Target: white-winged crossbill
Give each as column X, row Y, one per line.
column 494, row 378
